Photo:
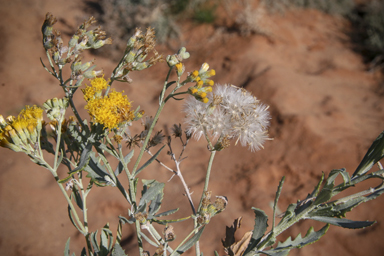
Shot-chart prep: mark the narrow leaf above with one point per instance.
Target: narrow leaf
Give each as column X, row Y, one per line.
column 118, row 251
column 299, row 242
column 166, row 213
column 94, row 242
column 66, row 249
column 149, row 161
column 72, row 220
column 373, row 155
column 278, row 192
column 84, row 158
column 127, row 159
column 78, row 199
column 344, row 223
column 189, row 243
column 261, row 224
column 169, row 84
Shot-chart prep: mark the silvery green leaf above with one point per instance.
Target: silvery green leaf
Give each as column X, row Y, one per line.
column 66, row 249
column 84, row 158
column 72, row 220
column 325, row 193
column 149, row 161
column 344, row 223
column 166, row 213
column 97, row 172
column 278, row 192
column 155, row 205
column 151, row 189
column 78, row 199
column 189, row 243
column 94, row 242
column 122, row 190
column 106, row 241
column 118, row 251
column 373, row 155
column 299, row 242
column 261, row 224
column 127, row 159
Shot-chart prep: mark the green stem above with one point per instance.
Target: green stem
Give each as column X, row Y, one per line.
column 161, row 106
column 80, row 224
column 58, row 142
column 185, row 239
column 139, row 239
column 209, row 168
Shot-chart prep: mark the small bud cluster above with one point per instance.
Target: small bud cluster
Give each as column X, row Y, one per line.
column 82, row 40
column 138, row 48
column 55, row 108
column 232, row 114
column 22, row 133
column 175, row 59
column 201, row 78
column 208, row 210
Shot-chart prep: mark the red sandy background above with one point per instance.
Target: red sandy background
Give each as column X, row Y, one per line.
column 326, row 109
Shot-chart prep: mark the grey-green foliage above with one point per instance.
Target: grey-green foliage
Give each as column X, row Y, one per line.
column 320, row 205
column 340, row 7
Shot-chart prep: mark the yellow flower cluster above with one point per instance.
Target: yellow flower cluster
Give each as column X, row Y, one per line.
column 201, row 78
column 18, row 133
column 110, row 110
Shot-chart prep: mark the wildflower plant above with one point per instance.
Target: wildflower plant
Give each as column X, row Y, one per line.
column 218, row 113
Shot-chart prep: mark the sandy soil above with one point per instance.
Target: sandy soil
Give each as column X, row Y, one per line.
column 325, row 107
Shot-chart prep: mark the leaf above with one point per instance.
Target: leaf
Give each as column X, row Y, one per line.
column 122, row 190
column 94, row 242
column 278, row 192
column 315, row 192
column 166, row 213
column 84, row 158
column 373, row 155
column 83, row 252
column 150, row 191
column 299, row 242
column 326, row 192
column 127, row 159
column 189, row 243
column 149, row 161
column 148, row 240
column 164, row 222
column 344, row 223
column 261, row 224
column 97, row 172
column 106, row 241
column 118, row 251
column 78, row 199
column 72, row 220
column 169, row 84
column 66, row 249
column 155, row 205
column 239, row 247
column 230, row 233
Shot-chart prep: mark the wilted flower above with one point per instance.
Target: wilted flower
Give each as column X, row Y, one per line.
column 233, row 114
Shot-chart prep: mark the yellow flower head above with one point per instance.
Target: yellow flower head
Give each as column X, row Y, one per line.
column 21, row 130
column 111, row 110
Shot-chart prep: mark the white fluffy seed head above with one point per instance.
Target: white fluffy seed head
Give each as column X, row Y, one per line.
column 238, row 116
